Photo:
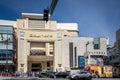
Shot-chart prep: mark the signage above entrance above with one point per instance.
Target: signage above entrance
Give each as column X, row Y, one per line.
column 41, row 35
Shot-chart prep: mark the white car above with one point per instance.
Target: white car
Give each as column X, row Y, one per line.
column 81, row 75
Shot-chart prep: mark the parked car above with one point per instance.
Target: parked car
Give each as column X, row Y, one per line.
column 81, row 75
column 62, row 75
column 46, row 73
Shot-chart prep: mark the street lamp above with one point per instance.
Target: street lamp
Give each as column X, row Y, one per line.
column 86, row 53
column 86, row 67
column 87, row 45
column 7, row 43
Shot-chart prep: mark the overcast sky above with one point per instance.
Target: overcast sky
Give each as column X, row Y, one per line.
column 95, row 18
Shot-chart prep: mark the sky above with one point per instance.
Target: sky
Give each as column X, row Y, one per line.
column 95, row 18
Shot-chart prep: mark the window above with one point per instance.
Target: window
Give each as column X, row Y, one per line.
column 21, row 34
column 71, row 54
column 10, row 37
column 59, row 35
column 110, row 58
column 48, row 64
column 22, row 65
column 1, row 37
column 36, row 64
column 96, row 43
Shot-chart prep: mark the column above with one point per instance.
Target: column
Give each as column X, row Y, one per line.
column 55, row 61
column 47, row 47
column 28, row 48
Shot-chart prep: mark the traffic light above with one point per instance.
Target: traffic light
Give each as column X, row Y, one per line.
column 46, row 14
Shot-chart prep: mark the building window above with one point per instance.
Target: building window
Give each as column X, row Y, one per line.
column 71, row 54
column 110, row 58
column 59, row 35
column 96, row 43
column 21, row 34
column 99, row 52
column 104, row 52
column 22, row 65
column 48, row 64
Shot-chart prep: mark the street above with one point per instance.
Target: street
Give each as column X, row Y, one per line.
column 35, row 78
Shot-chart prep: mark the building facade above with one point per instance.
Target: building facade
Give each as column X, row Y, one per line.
column 114, row 55
column 40, row 43
column 8, row 46
column 84, row 51
column 118, row 42
column 114, row 51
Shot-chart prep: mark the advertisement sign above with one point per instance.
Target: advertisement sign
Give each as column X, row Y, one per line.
column 96, row 60
column 81, row 61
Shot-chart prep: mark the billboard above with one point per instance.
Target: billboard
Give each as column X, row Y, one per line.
column 96, row 60
column 81, row 61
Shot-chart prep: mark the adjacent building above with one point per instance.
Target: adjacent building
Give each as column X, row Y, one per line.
column 84, row 51
column 8, row 46
column 114, row 51
column 114, row 55
column 118, row 42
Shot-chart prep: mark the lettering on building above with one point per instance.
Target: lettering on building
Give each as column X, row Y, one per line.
column 41, row 35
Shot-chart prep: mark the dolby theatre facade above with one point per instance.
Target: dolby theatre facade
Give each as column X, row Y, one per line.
column 41, row 44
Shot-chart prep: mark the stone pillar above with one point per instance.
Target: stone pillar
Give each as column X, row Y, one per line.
column 55, row 61
column 47, row 47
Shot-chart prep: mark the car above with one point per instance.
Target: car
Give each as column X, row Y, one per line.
column 81, row 75
column 62, row 75
column 46, row 73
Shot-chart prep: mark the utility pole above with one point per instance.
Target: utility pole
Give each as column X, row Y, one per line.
column 7, row 43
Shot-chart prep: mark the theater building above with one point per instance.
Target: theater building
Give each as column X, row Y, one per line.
column 41, row 43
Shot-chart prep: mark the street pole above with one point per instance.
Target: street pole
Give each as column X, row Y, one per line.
column 86, row 53
column 7, row 42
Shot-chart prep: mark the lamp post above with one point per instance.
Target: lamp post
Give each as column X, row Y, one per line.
column 87, row 45
column 86, row 54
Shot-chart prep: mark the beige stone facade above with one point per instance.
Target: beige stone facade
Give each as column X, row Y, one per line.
column 40, row 43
